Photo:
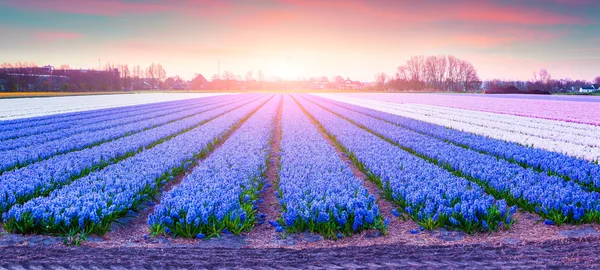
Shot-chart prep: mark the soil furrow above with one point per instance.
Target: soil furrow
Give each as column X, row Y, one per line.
column 263, row 234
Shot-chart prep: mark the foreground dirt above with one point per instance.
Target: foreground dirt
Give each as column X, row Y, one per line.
column 554, row 254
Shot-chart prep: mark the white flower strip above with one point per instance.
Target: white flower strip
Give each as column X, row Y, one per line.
column 589, row 136
column 486, row 128
column 15, row 108
column 517, row 126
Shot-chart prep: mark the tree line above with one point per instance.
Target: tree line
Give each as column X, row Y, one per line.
column 431, row 73
column 541, row 81
column 27, row 76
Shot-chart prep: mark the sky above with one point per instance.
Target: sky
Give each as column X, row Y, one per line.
column 292, row 39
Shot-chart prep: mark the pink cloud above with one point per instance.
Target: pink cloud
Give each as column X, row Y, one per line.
column 265, row 19
column 499, row 37
column 113, row 7
column 573, row 2
column 480, row 41
column 583, row 50
column 462, row 11
column 56, row 35
column 175, row 48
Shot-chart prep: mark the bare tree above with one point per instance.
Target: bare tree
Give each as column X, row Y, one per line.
column 109, row 66
column 260, row 76
column 125, row 76
column 228, row 76
column 151, row 75
column 416, row 68
column 468, row 75
column 545, row 76
column 137, row 75
column 161, row 74
column 64, row 67
column 442, row 72
column 380, row 79
column 597, row 80
column 435, row 70
column 452, row 76
column 541, row 80
column 402, row 73
column 249, row 76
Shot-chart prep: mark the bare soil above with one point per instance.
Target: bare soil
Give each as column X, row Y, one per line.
column 263, row 234
column 554, row 254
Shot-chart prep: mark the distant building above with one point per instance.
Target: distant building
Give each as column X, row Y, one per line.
column 142, row 84
column 316, row 85
column 589, row 88
column 352, row 85
column 200, row 83
column 49, row 79
column 178, row 86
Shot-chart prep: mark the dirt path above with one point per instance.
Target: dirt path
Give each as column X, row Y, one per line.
column 570, row 254
column 263, row 234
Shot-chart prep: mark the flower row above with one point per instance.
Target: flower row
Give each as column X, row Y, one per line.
column 221, row 193
column 90, row 204
column 489, row 129
column 120, row 120
column 64, row 126
column 582, row 171
column 551, row 128
column 567, row 111
column 21, row 112
column 317, row 190
column 550, row 196
column 24, row 156
column 521, row 126
column 40, row 178
column 430, row 195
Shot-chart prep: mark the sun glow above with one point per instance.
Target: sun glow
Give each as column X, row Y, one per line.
column 284, row 70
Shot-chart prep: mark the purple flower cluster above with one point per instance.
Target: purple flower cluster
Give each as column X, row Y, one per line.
column 430, row 195
column 91, row 203
column 25, row 155
column 66, row 126
column 10, row 129
column 585, row 172
column 116, row 120
column 221, row 193
column 317, row 190
column 20, row 185
column 550, row 196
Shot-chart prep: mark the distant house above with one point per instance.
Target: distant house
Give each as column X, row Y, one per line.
column 315, row 85
column 178, row 86
column 352, row 85
column 142, row 85
column 588, row 88
column 200, row 83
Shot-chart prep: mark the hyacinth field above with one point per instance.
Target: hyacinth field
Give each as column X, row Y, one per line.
column 199, row 164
